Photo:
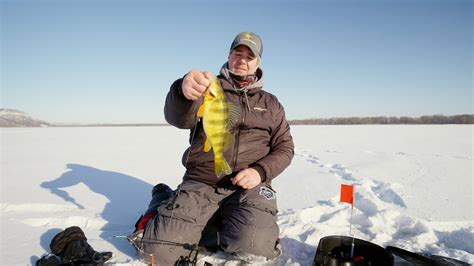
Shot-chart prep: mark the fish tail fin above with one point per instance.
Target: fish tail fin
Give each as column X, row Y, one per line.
column 222, row 167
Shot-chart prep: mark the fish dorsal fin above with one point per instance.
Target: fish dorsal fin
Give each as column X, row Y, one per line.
column 234, row 116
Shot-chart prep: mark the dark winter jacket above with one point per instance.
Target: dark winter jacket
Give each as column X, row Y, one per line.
column 262, row 134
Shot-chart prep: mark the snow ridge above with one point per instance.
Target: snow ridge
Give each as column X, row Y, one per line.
column 16, row 118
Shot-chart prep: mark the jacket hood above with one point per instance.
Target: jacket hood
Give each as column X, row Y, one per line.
column 250, row 89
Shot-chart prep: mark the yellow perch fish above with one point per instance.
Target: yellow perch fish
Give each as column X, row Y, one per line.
column 216, row 112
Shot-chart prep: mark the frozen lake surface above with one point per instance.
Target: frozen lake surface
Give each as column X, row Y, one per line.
column 414, row 187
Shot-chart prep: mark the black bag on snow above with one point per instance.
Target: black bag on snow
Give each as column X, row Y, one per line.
column 70, row 247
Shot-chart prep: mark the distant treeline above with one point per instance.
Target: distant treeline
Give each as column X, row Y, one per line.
column 112, row 125
column 386, row 120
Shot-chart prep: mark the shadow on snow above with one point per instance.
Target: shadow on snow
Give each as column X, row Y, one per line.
column 127, row 198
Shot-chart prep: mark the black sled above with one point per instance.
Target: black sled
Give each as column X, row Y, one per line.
column 336, row 251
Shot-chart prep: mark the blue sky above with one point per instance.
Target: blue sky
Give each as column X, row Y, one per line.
column 113, row 61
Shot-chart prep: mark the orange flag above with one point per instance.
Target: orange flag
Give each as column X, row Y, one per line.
column 347, row 194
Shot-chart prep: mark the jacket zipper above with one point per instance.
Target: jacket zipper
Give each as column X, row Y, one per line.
column 236, row 146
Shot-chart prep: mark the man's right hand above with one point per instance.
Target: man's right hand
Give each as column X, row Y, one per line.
column 195, row 83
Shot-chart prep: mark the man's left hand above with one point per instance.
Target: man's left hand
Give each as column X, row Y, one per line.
column 247, row 178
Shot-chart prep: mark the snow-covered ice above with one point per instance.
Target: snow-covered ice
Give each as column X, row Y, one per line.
column 414, row 187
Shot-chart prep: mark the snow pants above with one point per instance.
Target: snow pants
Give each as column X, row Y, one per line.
column 246, row 222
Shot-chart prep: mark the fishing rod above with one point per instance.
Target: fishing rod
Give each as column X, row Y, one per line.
column 182, row 261
column 165, row 242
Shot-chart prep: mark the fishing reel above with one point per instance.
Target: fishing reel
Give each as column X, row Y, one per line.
column 185, row 261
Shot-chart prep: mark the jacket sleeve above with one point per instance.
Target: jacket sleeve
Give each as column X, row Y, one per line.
column 179, row 111
column 281, row 148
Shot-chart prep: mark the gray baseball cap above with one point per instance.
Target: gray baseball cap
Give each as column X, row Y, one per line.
column 251, row 40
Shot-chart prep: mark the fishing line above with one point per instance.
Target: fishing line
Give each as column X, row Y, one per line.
column 191, row 142
column 194, row 129
column 193, row 247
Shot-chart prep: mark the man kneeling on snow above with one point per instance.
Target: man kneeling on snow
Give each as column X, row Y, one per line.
column 235, row 213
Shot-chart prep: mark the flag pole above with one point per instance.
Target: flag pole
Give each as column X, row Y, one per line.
column 350, row 222
column 348, row 195
column 350, row 231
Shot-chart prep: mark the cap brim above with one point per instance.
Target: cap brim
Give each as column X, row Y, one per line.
column 249, row 44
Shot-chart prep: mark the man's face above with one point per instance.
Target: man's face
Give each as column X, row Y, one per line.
column 242, row 61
